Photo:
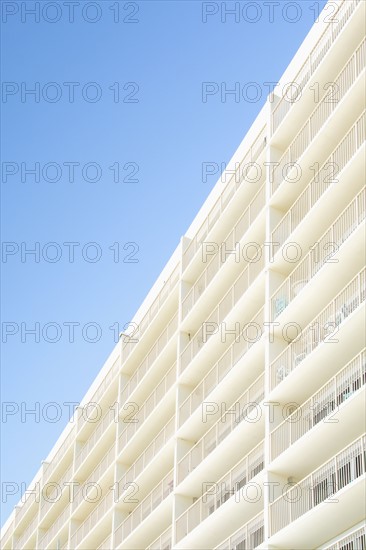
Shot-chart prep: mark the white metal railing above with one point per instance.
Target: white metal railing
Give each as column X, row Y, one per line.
column 50, row 534
column 335, row 392
column 144, row 509
column 150, row 358
column 150, row 451
column 219, row 371
column 27, row 533
column 105, row 506
column 251, row 535
column 55, row 494
column 353, row 541
column 163, row 542
column 315, row 58
column 221, row 311
column 224, row 199
column 320, row 329
column 151, row 313
column 6, row 535
column 96, row 474
column 346, row 223
column 214, row 265
column 317, row 119
column 336, row 473
column 106, row 544
column 95, row 436
column 103, row 386
column 222, row 428
column 149, row 404
column 227, row 486
column 29, row 499
column 49, row 468
column 340, row 157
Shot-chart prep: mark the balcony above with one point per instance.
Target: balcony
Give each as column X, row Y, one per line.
column 329, row 243
column 106, row 383
column 315, row 58
column 97, row 473
column 54, row 496
column 27, row 533
column 148, row 407
column 338, row 481
column 150, row 358
column 65, row 446
column 235, row 236
column 148, row 318
column 144, row 509
column 104, row 507
column 7, row 536
column 223, row 309
column 106, row 544
column 224, row 200
column 61, row 521
column 228, row 487
column 340, row 158
column 304, row 138
column 95, row 437
column 251, row 535
column 323, row 403
column 222, row 428
column 320, row 329
column 163, row 542
column 149, row 453
column 353, row 541
column 219, row 372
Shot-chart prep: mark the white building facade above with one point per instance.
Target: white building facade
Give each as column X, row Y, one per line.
column 232, row 415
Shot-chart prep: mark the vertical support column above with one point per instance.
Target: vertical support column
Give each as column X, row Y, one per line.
column 180, row 445
column 268, row 255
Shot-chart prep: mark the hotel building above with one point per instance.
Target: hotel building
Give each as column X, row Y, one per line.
column 232, row 414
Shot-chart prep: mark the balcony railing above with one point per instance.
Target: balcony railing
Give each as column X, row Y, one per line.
column 149, row 405
column 340, row 471
column 218, row 372
column 96, row 474
column 248, row 217
column 335, row 392
column 146, row 457
column 224, row 199
column 54, row 495
column 144, row 509
column 320, row 329
column 27, row 533
column 103, row 386
column 222, row 428
column 229, row 485
column 251, row 535
column 65, row 446
column 151, row 313
column 105, row 506
column 350, row 219
column 150, row 358
column 106, row 544
column 95, row 436
column 311, row 128
column 7, row 533
column 164, row 542
column 321, row 182
column 55, row 528
column 353, row 541
column 231, row 298
column 315, row 58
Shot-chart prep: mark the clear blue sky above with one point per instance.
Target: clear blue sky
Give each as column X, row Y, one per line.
column 167, row 134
